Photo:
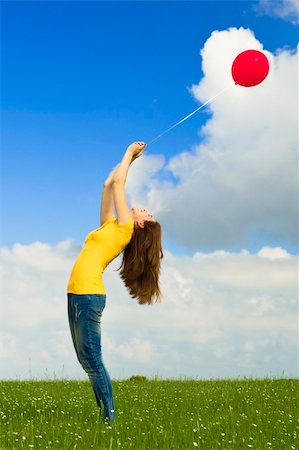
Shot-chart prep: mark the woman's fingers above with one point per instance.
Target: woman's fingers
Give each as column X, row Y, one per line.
column 136, row 148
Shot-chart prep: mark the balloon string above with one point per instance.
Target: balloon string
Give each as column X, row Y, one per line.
column 189, row 115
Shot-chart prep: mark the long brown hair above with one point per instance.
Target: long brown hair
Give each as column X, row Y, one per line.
column 140, row 267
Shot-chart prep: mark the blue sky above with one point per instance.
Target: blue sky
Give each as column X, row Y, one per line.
column 81, row 80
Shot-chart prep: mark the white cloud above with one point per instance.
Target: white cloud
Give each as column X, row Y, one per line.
column 223, row 314
column 241, row 180
column 273, row 253
column 135, row 350
column 284, row 9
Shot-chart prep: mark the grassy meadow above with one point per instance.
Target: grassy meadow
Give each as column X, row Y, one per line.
column 151, row 414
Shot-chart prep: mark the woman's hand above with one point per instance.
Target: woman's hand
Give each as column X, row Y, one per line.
column 136, row 149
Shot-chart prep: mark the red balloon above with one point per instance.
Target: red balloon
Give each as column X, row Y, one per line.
column 250, row 68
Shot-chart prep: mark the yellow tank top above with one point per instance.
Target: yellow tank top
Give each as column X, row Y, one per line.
column 101, row 246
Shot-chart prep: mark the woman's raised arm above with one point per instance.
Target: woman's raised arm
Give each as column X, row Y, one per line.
column 133, row 152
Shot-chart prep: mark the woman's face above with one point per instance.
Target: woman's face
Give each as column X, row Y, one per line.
column 140, row 215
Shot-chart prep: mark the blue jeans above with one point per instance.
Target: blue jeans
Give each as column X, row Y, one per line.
column 84, row 313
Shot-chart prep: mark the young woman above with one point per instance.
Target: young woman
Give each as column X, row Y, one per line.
column 134, row 232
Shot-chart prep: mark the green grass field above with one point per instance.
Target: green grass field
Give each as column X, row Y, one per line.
column 152, row 414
